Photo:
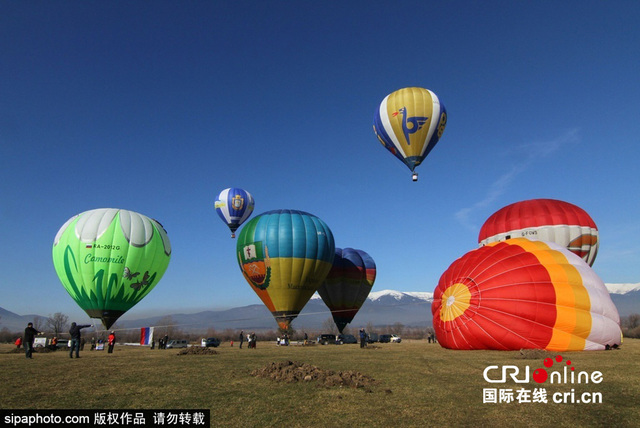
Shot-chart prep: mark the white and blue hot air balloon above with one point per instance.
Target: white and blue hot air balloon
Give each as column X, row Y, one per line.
column 234, row 206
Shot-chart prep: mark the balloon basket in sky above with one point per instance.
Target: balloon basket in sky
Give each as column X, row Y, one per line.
column 110, row 259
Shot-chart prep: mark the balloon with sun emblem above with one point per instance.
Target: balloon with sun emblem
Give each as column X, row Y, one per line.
column 110, row 259
column 409, row 123
column 234, row 206
column 544, row 220
column 285, row 255
column 523, row 294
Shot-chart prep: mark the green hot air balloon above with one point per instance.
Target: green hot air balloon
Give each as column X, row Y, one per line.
column 110, row 259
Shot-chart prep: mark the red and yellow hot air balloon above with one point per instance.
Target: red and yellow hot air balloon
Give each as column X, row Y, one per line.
column 523, row 294
column 545, row 220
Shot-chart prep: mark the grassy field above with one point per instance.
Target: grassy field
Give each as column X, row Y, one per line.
column 416, row 384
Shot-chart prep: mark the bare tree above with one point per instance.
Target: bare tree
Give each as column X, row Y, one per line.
column 632, row 321
column 166, row 327
column 58, row 322
column 370, row 328
column 397, row 328
column 329, row 326
column 38, row 323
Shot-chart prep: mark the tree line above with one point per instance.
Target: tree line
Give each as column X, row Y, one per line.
column 58, row 325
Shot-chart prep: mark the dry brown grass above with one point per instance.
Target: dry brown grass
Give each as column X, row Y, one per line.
column 416, row 384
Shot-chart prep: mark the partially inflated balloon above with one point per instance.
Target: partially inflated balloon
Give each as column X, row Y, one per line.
column 348, row 284
column 285, row 255
column 546, row 220
column 523, row 294
column 409, row 122
column 109, row 259
column 234, row 206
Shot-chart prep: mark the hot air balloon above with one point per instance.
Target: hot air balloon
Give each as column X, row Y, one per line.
column 523, row 294
column 348, row 284
column 285, row 255
column 409, row 122
column 545, row 220
column 234, row 206
column 110, row 259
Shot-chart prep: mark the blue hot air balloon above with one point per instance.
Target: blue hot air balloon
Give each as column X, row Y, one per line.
column 234, row 206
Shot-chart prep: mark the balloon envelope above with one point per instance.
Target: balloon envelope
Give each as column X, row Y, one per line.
column 234, row 206
column 285, row 255
column 409, row 122
column 546, row 220
column 348, row 284
column 519, row 294
column 109, row 259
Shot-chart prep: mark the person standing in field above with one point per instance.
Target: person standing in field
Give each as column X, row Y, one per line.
column 76, row 338
column 18, row 342
column 112, row 341
column 29, row 337
column 241, row 338
column 363, row 338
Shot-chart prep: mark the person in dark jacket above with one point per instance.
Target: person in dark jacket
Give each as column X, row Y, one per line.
column 76, row 337
column 29, row 337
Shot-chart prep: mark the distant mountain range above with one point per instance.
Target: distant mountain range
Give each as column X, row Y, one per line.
column 382, row 308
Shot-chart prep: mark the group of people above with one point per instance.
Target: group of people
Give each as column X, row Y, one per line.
column 162, row 342
column 283, row 341
column 76, row 342
column 251, row 339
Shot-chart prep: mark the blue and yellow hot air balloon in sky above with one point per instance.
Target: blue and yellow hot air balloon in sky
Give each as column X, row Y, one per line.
column 409, row 122
column 285, row 255
column 234, row 206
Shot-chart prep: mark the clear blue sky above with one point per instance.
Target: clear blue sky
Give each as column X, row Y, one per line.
column 157, row 106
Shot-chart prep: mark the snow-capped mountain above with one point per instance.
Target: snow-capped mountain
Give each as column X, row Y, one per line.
column 622, row 288
column 394, row 296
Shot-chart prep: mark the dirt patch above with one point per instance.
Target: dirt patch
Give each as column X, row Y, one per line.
column 292, row 371
column 533, row 354
column 197, row 350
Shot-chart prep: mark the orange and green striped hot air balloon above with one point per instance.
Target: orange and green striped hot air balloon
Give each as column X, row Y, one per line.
column 523, row 294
